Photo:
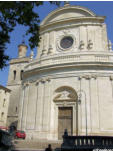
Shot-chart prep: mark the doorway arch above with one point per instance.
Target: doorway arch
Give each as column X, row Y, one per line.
column 66, row 101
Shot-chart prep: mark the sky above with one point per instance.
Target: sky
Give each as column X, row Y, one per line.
column 101, row 8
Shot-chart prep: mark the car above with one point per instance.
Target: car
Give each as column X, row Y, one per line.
column 20, row 134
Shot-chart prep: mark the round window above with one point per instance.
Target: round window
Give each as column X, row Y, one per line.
column 66, row 42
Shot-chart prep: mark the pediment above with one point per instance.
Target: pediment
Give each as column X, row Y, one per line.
column 65, row 94
column 65, row 13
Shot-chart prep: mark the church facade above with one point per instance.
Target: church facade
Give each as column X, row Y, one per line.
column 69, row 85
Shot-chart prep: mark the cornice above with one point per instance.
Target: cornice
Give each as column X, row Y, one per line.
column 20, row 60
column 76, row 59
column 74, row 22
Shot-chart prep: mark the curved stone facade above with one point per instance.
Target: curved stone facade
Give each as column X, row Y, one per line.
column 70, row 83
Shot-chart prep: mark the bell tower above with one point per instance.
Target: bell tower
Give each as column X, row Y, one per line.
column 15, row 78
column 22, row 49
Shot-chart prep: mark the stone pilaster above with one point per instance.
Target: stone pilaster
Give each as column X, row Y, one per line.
column 39, row 114
column 94, row 108
column 46, row 105
column 51, row 42
column 111, row 79
column 83, row 105
column 31, row 107
column 83, row 37
column 21, row 107
column 44, row 51
column 24, row 110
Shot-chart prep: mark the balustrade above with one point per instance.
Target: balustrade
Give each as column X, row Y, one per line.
column 86, row 142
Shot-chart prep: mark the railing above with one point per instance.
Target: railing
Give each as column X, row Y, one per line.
column 71, row 143
column 71, row 58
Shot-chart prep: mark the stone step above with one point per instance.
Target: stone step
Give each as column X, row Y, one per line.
column 40, row 145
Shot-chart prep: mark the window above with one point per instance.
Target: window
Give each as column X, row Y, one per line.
column 21, row 74
column 66, row 42
column 4, row 102
column 14, row 74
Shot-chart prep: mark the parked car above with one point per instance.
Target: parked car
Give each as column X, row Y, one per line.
column 20, row 134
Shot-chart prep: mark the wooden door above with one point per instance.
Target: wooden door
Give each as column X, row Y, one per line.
column 64, row 121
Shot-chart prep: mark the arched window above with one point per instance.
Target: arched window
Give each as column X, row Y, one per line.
column 2, row 115
column 16, row 109
column 21, row 74
column 4, row 102
column 14, row 74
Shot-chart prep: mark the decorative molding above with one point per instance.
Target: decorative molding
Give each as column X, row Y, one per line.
column 43, row 52
column 88, row 77
column 60, row 36
column 43, row 80
column 94, row 76
column 66, row 31
column 25, row 84
column 37, row 82
column 48, row 79
column 90, row 44
column 81, row 45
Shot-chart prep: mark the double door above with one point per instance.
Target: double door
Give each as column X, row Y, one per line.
column 65, row 120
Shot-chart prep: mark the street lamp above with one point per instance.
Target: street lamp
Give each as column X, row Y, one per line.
column 79, row 102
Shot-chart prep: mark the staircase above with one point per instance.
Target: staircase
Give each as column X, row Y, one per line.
column 38, row 145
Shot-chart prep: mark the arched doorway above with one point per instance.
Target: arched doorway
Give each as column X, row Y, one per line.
column 65, row 99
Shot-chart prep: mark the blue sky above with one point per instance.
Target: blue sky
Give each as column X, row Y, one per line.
column 102, row 8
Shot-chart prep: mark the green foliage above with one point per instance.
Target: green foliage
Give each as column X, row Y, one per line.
column 16, row 12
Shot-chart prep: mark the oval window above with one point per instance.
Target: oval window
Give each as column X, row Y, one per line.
column 66, row 42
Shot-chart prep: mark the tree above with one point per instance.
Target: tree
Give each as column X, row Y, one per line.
column 13, row 13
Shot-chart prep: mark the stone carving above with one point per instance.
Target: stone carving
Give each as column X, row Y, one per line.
column 64, row 103
column 66, row 31
column 65, row 94
column 81, row 46
column 26, row 84
column 43, row 52
column 94, row 76
column 43, row 80
column 37, row 82
column 90, row 44
column 48, row 79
